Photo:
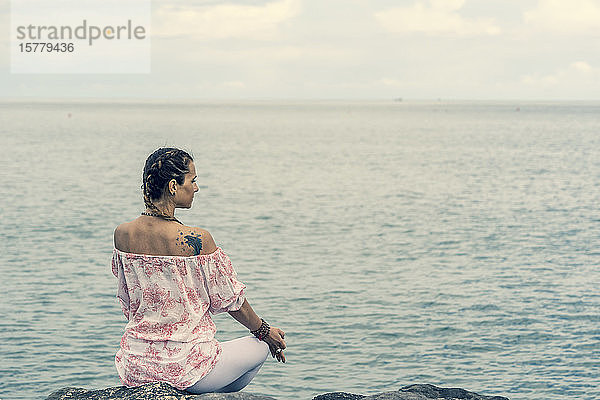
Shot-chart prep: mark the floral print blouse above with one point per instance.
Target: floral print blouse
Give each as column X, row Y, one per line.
column 167, row 301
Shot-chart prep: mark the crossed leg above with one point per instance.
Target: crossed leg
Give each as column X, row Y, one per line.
column 239, row 362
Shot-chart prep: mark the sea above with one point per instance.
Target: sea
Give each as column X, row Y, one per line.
column 455, row 243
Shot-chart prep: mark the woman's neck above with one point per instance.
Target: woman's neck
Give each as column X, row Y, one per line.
column 165, row 208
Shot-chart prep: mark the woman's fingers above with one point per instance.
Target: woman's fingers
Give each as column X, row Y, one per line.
column 276, row 343
column 281, row 341
column 281, row 344
column 281, row 357
column 273, row 349
column 277, row 352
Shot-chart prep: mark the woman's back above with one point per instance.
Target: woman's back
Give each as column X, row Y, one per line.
column 155, row 236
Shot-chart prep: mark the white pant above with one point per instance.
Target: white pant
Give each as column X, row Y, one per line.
column 239, row 362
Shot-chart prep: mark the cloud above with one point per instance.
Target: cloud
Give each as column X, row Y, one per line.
column 438, row 17
column 224, row 21
column 573, row 16
column 577, row 74
column 234, row 84
column 283, row 54
column 391, row 82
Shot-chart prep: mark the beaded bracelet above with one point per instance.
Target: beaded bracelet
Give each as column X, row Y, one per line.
column 263, row 330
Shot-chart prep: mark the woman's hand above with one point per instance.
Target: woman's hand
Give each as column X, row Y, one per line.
column 276, row 343
column 247, row 317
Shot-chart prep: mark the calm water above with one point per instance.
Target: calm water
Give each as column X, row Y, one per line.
column 447, row 243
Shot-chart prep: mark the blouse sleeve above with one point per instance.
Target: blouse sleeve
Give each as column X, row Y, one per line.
column 226, row 293
column 122, row 293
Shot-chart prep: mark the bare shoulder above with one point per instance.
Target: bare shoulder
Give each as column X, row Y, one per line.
column 196, row 241
column 121, row 236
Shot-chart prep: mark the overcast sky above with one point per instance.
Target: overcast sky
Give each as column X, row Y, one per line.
column 349, row 49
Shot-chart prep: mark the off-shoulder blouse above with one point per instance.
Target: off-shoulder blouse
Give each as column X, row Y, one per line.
column 167, row 301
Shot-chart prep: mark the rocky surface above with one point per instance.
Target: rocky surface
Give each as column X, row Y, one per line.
column 150, row 391
column 413, row 392
column 162, row 391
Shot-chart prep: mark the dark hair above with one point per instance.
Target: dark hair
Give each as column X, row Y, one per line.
column 161, row 166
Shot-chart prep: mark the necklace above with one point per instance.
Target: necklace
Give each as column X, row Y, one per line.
column 165, row 217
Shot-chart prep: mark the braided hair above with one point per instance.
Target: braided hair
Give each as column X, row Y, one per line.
column 161, row 166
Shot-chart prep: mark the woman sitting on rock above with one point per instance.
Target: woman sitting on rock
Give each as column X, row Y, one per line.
column 172, row 277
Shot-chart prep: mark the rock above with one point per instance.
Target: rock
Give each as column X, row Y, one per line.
column 434, row 392
column 150, row 391
column 413, row 392
column 339, row 396
column 163, row 391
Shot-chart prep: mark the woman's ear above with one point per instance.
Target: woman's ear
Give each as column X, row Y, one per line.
column 172, row 186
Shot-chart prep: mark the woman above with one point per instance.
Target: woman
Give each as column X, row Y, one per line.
column 171, row 278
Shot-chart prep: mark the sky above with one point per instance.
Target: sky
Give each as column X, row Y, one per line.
column 348, row 49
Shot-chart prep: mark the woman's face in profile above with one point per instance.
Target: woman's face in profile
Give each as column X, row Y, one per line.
column 186, row 191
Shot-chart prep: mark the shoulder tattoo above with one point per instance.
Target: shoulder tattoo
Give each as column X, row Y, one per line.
column 192, row 241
